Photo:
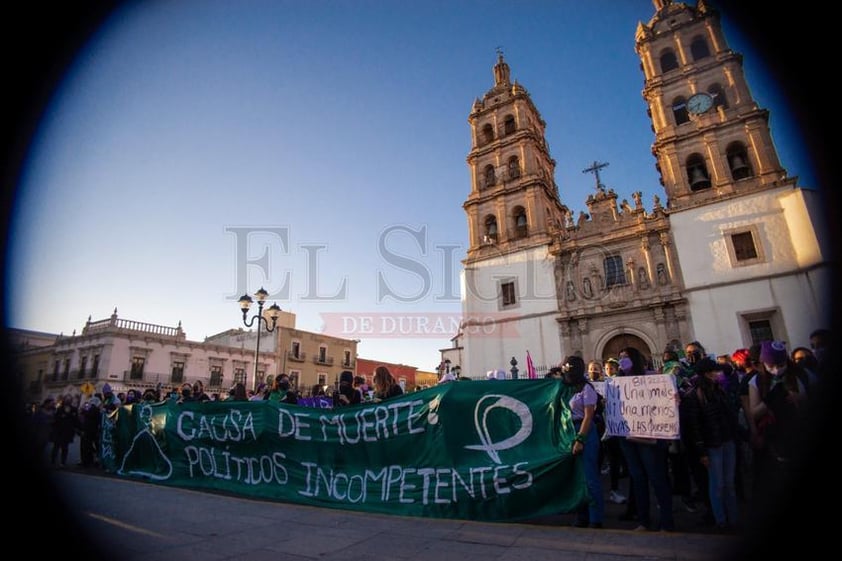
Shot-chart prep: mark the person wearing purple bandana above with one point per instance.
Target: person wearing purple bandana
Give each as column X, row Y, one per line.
column 779, row 401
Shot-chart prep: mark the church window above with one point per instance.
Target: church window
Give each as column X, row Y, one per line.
column 668, row 61
column 508, row 294
column 761, row 325
column 738, row 161
column 679, row 111
column 215, row 376
column 699, row 48
column 488, row 133
column 743, row 247
column 509, row 125
column 761, row 330
column 614, row 273
column 490, row 178
column 514, row 167
column 138, row 363
column 697, row 173
column 177, row 372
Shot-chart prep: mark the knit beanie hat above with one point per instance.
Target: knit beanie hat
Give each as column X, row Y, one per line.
column 773, row 352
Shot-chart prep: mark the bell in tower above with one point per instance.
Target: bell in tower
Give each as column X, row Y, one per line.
column 739, row 167
column 490, row 231
column 698, row 178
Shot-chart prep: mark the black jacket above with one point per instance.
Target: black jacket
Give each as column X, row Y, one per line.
column 710, row 419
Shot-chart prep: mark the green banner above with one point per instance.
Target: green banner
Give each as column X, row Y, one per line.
column 482, row 450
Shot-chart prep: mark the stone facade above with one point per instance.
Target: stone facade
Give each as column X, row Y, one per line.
column 618, row 280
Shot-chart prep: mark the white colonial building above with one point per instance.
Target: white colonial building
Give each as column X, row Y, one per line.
column 132, row 354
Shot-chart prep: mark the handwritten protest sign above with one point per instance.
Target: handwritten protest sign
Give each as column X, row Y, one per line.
column 641, row 406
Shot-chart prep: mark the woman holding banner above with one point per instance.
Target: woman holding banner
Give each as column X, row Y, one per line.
column 646, row 459
column 587, row 442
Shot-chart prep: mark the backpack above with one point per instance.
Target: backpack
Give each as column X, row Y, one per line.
column 599, row 412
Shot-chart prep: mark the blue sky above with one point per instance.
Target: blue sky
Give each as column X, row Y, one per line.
column 330, row 131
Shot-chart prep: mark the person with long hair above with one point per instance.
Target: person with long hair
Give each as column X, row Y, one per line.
column 385, row 385
column 586, row 443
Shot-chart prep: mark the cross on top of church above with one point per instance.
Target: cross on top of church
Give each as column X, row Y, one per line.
column 594, row 169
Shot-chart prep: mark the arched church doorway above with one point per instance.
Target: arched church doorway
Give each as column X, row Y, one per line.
column 615, row 344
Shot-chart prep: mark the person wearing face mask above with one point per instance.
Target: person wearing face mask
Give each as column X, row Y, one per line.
column 65, row 425
column 693, row 352
column 583, row 406
column 819, row 343
column 804, row 357
column 647, row 461
column 779, row 402
column 711, row 423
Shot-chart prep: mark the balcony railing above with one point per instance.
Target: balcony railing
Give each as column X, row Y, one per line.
column 71, row 377
column 300, row 357
column 103, row 325
column 324, row 360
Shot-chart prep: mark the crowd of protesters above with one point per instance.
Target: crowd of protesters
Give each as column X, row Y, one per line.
column 739, row 417
column 57, row 421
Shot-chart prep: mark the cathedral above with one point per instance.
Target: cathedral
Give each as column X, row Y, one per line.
column 732, row 254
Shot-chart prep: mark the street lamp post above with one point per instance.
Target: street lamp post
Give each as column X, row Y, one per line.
column 274, row 312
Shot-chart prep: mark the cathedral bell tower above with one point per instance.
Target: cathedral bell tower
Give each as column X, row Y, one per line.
column 509, row 304
column 712, row 140
column 513, row 203
column 748, row 239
